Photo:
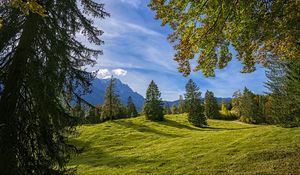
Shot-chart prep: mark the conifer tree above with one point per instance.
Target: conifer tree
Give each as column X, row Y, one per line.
column 236, row 103
column 174, row 109
column 131, row 110
column 211, row 108
column 112, row 107
column 249, row 107
column 194, row 105
column 181, row 106
column 284, row 84
column 167, row 109
column 41, row 62
column 153, row 104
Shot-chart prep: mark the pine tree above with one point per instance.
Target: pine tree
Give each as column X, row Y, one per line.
column 131, row 110
column 174, row 109
column 167, row 109
column 236, row 103
column 41, row 62
column 284, row 84
column 153, row 104
column 181, row 106
column 112, row 108
column 249, row 107
column 194, row 105
column 211, row 108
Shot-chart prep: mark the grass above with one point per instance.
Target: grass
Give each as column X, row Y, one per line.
column 137, row 146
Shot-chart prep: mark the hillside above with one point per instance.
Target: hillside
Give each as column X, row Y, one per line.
column 137, row 146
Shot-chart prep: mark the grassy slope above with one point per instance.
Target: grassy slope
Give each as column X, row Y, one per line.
column 138, row 146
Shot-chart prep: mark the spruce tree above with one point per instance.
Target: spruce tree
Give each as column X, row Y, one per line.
column 249, row 107
column 41, row 62
column 174, row 109
column 181, row 106
column 211, row 108
column 167, row 109
column 194, row 105
column 284, row 84
column 236, row 103
column 153, row 104
column 131, row 110
column 111, row 108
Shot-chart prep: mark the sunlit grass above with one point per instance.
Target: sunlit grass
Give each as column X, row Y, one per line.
column 138, row 146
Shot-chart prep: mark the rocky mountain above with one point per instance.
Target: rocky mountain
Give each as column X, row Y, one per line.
column 123, row 90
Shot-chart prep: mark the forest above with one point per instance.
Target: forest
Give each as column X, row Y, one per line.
column 49, row 52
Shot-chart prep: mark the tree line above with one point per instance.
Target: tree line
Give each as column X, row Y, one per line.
column 279, row 106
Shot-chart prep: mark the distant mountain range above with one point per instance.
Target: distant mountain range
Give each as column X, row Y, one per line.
column 124, row 91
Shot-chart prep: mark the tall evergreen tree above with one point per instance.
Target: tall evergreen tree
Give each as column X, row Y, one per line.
column 284, row 84
column 174, row 109
column 236, row 103
column 131, row 110
column 249, row 107
column 41, row 62
column 211, row 108
column 167, row 109
column 112, row 107
column 181, row 106
column 194, row 105
column 153, row 104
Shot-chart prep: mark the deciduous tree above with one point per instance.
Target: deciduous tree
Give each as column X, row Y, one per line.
column 207, row 29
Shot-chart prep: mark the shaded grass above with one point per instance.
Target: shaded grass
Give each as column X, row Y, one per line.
column 137, row 146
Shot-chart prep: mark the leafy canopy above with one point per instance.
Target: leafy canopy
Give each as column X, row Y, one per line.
column 208, row 28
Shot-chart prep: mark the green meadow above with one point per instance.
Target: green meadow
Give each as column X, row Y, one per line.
column 138, row 146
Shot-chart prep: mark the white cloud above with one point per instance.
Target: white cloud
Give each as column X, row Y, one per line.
column 133, row 3
column 119, row 72
column 103, row 73
column 106, row 74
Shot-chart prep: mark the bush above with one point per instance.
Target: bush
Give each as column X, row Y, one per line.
column 251, row 120
column 228, row 115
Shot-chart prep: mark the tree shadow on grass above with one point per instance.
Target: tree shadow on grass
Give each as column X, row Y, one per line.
column 143, row 128
column 94, row 156
column 175, row 124
column 226, row 129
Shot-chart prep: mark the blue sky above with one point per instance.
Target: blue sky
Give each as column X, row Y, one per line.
column 137, row 51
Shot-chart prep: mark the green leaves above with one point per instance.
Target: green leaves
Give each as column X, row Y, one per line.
column 208, row 27
column 28, row 6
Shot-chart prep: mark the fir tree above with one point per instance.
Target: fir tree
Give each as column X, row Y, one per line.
column 236, row 103
column 131, row 110
column 194, row 105
column 167, row 109
column 174, row 109
column 153, row 104
column 181, row 106
column 249, row 107
column 41, row 62
column 112, row 107
column 211, row 108
column 284, row 84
